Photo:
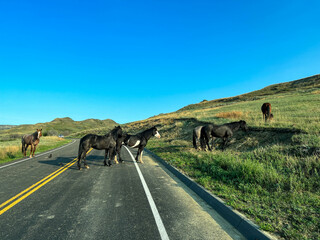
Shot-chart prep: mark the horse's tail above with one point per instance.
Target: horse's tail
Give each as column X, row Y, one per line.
column 23, row 145
column 202, row 139
column 194, row 139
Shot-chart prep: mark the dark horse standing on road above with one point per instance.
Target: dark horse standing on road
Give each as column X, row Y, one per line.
column 225, row 132
column 266, row 111
column 107, row 142
column 140, row 140
column 33, row 140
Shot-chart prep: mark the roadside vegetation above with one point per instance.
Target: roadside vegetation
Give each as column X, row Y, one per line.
column 270, row 173
column 11, row 150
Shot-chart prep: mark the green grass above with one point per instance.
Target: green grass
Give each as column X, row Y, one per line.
column 11, row 150
column 274, row 185
column 271, row 173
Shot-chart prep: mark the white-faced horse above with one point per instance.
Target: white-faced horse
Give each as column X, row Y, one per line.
column 140, row 140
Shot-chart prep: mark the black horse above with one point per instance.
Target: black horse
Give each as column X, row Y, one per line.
column 196, row 136
column 140, row 140
column 225, row 132
column 107, row 142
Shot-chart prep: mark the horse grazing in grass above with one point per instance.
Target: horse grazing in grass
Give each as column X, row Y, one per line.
column 107, row 142
column 225, row 132
column 140, row 140
column 32, row 140
column 196, row 136
column 214, row 131
column 266, row 112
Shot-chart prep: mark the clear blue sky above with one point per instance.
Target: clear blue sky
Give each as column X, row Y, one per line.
column 130, row 60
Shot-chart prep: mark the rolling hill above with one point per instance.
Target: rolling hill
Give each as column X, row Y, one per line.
column 271, row 173
column 64, row 126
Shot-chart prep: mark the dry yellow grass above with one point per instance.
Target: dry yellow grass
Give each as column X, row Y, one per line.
column 231, row 115
column 6, row 150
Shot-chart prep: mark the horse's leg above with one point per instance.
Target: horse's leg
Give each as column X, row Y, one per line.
column 105, row 156
column 115, row 155
column 31, row 146
column 140, row 149
column 34, row 149
column 85, row 161
column 207, row 139
column 25, row 147
column 141, row 156
column 202, row 143
column 194, row 140
column 22, row 149
column 111, row 156
column 118, row 152
column 224, row 143
column 82, row 155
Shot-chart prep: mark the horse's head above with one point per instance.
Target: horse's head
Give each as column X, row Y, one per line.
column 243, row 125
column 117, row 132
column 270, row 116
column 155, row 132
column 39, row 132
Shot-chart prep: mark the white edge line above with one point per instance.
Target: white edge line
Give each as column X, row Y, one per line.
column 156, row 215
column 38, row 155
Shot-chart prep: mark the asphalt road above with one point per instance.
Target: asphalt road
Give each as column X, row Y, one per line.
column 51, row 199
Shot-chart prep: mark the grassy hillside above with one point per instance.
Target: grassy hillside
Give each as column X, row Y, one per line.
column 2, row 127
column 304, row 85
column 270, row 173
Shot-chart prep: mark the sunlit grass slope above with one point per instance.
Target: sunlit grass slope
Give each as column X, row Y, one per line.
column 271, row 173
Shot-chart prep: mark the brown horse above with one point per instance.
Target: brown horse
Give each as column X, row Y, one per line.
column 266, row 111
column 33, row 140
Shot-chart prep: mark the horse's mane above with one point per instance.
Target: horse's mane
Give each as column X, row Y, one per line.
column 234, row 125
column 115, row 132
column 35, row 135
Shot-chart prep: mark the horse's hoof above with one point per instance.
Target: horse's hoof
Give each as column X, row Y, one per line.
column 30, row 156
column 86, row 166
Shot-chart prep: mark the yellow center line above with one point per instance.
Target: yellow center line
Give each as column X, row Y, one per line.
column 36, row 186
column 26, row 190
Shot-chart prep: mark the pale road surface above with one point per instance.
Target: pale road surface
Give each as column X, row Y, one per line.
column 102, row 202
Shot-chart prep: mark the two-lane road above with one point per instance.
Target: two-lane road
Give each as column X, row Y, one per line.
column 49, row 198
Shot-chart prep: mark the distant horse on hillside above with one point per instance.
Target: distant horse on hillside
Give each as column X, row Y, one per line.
column 225, row 132
column 107, row 142
column 140, row 140
column 32, row 140
column 266, row 112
